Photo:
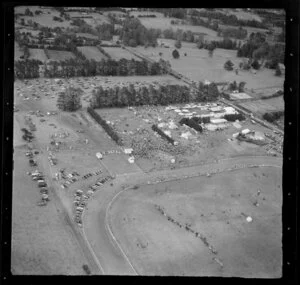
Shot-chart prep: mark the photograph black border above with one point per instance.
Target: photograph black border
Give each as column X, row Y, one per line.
column 290, row 147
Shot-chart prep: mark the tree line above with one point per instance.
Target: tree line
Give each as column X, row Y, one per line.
column 231, row 20
column 109, row 130
column 257, row 48
column 163, row 95
column 83, row 67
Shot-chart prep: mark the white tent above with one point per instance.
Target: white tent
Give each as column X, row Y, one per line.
column 131, row 159
column 99, row 155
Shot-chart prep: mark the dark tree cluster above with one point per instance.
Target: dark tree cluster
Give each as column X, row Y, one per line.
column 231, row 20
column 163, row 95
column 109, row 130
column 228, row 65
column 213, row 25
column 178, row 13
column 83, row 67
column 156, row 129
column 273, row 116
column 147, row 16
column 28, row 68
column 134, row 34
column 239, row 33
column 70, row 100
column 105, row 31
column 257, row 48
column 190, row 122
column 129, row 96
column 234, row 117
column 185, row 36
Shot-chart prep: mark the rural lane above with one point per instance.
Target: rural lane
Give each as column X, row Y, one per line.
column 96, row 222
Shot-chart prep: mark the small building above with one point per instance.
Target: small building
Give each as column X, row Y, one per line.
column 245, row 131
column 128, row 150
column 131, row 159
column 218, row 121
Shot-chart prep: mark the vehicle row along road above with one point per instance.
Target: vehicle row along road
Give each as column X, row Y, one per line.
column 96, row 222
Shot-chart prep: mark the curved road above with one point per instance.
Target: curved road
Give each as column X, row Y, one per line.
column 96, row 227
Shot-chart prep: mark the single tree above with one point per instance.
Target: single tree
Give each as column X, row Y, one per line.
column 175, row 54
column 178, row 44
column 255, row 64
column 228, row 65
column 70, row 100
column 278, row 71
column 242, row 86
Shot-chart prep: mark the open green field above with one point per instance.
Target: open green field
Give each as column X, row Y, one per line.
column 262, row 106
column 119, row 53
column 240, row 14
column 214, row 207
column 60, row 55
column 198, row 66
column 44, row 19
column 38, row 54
column 91, row 52
column 165, row 23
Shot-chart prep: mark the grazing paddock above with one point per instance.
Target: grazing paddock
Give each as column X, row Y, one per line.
column 249, row 29
column 165, row 242
column 91, row 52
column 60, row 55
column 119, row 53
column 262, row 106
column 198, row 66
column 38, row 54
column 165, row 23
column 44, row 19
column 242, row 15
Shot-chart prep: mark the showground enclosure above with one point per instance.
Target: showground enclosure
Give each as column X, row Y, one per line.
column 157, row 225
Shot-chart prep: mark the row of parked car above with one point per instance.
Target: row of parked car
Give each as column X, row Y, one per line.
column 80, row 200
column 39, row 178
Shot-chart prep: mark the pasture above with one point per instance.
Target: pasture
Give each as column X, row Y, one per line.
column 45, row 19
column 262, row 106
column 228, row 244
column 118, row 53
column 198, row 66
column 242, row 15
column 165, row 23
column 38, row 54
column 91, row 52
column 60, row 55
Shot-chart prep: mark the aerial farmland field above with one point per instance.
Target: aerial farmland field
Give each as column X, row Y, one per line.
column 119, row 53
column 60, row 55
column 165, row 243
column 262, row 106
column 38, row 54
column 198, row 66
column 91, row 52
